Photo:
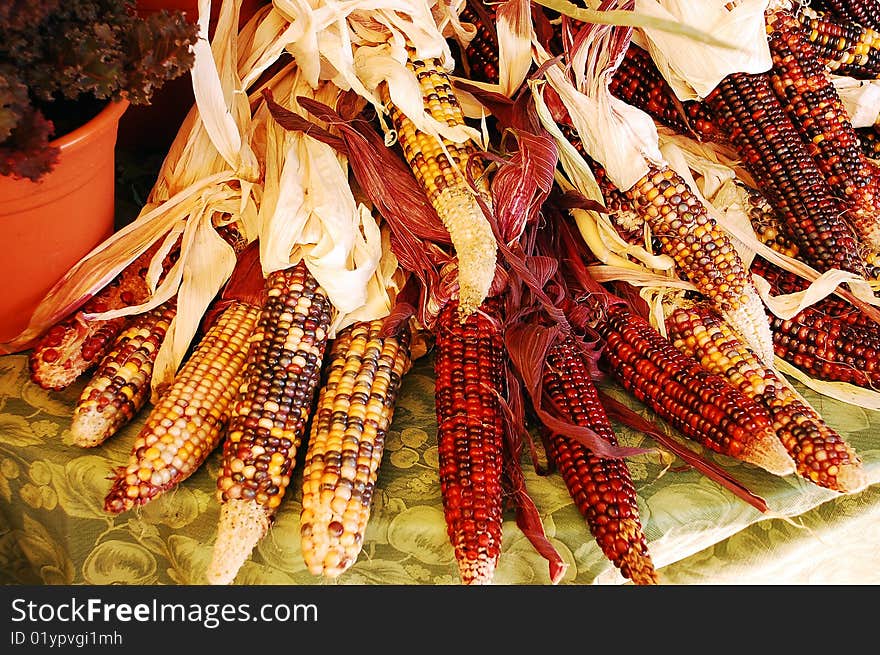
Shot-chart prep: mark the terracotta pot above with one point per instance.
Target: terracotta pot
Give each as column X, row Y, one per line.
column 154, row 126
column 47, row 226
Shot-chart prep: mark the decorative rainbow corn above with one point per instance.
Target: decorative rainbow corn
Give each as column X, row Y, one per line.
column 120, row 385
column 819, row 452
column 269, row 414
column 74, row 345
column 188, row 421
column 864, row 12
column 808, row 95
column 481, row 53
column 440, row 167
column 638, row 82
column 702, row 252
column 846, row 47
column 773, row 152
column 601, row 487
column 355, row 408
column 469, row 376
column 869, row 140
column 702, row 405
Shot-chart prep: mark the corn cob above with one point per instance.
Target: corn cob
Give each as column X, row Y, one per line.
column 703, row 252
column 638, row 82
column 844, row 46
column 864, row 12
column 346, row 442
column 601, row 487
column 76, row 344
column 186, row 424
column 481, row 52
column 771, row 149
column 442, row 175
column 701, row 405
column 819, row 452
column 869, row 141
column 469, row 372
column 269, row 414
column 809, row 97
column 121, row 384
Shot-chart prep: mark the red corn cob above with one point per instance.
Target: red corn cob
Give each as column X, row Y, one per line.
column 819, row 452
column 74, row 345
column 773, row 152
column 481, row 54
column 701, row 405
column 601, row 487
column 638, row 82
column 809, row 97
column 469, row 373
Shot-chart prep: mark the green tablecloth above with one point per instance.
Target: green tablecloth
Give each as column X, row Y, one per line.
column 53, row 529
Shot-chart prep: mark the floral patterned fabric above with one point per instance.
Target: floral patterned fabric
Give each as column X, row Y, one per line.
column 53, row 529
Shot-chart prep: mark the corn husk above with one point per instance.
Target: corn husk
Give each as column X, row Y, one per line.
column 861, row 98
column 693, row 69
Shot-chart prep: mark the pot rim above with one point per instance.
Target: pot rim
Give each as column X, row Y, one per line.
column 110, row 114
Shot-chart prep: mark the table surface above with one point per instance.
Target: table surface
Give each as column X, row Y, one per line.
column 53, row 529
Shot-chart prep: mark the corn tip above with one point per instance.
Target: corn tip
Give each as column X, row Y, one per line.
column 89, row 429
column 851, row 478
column 767, row 451
column 242, row 524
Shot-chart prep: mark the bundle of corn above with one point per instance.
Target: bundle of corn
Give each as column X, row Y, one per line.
column 809, row 97
column 187, row 422
column 845, row 46
column 820, row 453
column 364, row 371
column 704, row 254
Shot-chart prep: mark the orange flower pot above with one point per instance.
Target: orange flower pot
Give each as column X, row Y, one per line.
column 48, row 226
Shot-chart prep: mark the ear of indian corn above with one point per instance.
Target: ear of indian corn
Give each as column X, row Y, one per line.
column 844, row 46
column 601, row 487
column 481, row 52
column 864, row 12
column 701, row 405
column 355, row 408
column 186, row 425
column 120, row 385
column 469, row 375
column 269, row 414
column 809, row 97
column 76, row 344
column 702, row 252
column 820, row 453
column 755, row 123
column 638, row 82
column 440, row 166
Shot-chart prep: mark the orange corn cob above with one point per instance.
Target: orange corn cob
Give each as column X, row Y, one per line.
column 442, row 176
column 601, row 487
column 347, row 439
column 819, row 452
column 701, row 405
column 844, row 46
column 809, row 97
column 186, row 425
column 755, row 123
column 269, row 414
column 469, row 375
column 120, row 385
